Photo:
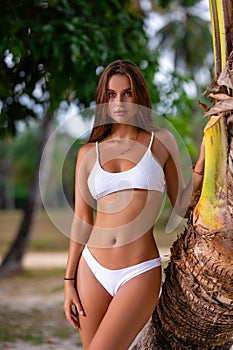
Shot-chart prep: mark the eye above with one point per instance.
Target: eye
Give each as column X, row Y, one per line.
column 111, row 94
column 128, row 93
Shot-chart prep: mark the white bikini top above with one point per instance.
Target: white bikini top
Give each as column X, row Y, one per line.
column 146, row 174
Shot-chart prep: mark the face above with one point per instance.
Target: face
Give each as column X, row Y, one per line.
column 121, row 106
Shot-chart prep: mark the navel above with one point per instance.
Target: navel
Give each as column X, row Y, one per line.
column 114, row 241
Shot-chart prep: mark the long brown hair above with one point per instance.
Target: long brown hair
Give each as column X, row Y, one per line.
column 103, row 123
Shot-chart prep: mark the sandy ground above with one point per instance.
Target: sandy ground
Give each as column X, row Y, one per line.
column 31, row 313
column 34, row 305
column 30, row 306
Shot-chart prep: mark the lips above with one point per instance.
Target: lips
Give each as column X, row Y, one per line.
column 120, row 111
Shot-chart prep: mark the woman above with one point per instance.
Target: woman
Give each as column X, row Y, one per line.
column 113, row 274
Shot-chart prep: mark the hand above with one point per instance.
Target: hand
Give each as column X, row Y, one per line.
column 72, row 306
column 202, row 150
column 199, row 166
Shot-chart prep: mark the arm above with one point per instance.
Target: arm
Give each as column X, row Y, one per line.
column 191, row 193
column 80, row 232
column 181, row 196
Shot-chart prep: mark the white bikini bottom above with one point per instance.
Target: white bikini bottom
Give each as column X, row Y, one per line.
column 112, row 280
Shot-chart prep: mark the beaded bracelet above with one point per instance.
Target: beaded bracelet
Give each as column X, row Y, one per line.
column 69, row 278
column 197, row 172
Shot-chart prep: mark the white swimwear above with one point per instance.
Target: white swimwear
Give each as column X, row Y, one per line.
column 113, row 280
column 147, row 174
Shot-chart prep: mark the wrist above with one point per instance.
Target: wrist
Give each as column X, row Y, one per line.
column 198, row 168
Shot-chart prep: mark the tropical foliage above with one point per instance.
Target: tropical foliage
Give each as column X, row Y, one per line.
column 53, row 51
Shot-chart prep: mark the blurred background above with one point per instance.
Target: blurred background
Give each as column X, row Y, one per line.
column 52, row 54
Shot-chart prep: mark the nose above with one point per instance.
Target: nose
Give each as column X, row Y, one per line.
column 119, row 98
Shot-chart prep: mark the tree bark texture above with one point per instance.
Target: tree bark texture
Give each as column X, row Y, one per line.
column 195, row 310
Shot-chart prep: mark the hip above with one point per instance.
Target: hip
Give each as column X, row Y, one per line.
column 119, row 252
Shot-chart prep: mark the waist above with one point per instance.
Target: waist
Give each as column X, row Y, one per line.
column 124, row 217
column 142, row 249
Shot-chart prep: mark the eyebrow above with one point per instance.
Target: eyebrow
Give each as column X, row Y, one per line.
column 128, row 89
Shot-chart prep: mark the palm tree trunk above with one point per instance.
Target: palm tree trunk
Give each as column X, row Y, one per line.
column 195, row 310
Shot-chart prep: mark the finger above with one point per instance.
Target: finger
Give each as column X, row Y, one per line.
column 74, row 321
column 72, row 317
column 79, row 309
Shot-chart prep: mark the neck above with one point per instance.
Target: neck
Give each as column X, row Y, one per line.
column 124, row 131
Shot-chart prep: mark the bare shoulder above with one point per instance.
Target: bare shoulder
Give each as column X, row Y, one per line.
column 164, row 145
column 86, row 148
column 166, row 139
column 164, row 135
column 86, row 155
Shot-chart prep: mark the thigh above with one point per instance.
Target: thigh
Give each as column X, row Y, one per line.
column 128, row 312
column 95, row 301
